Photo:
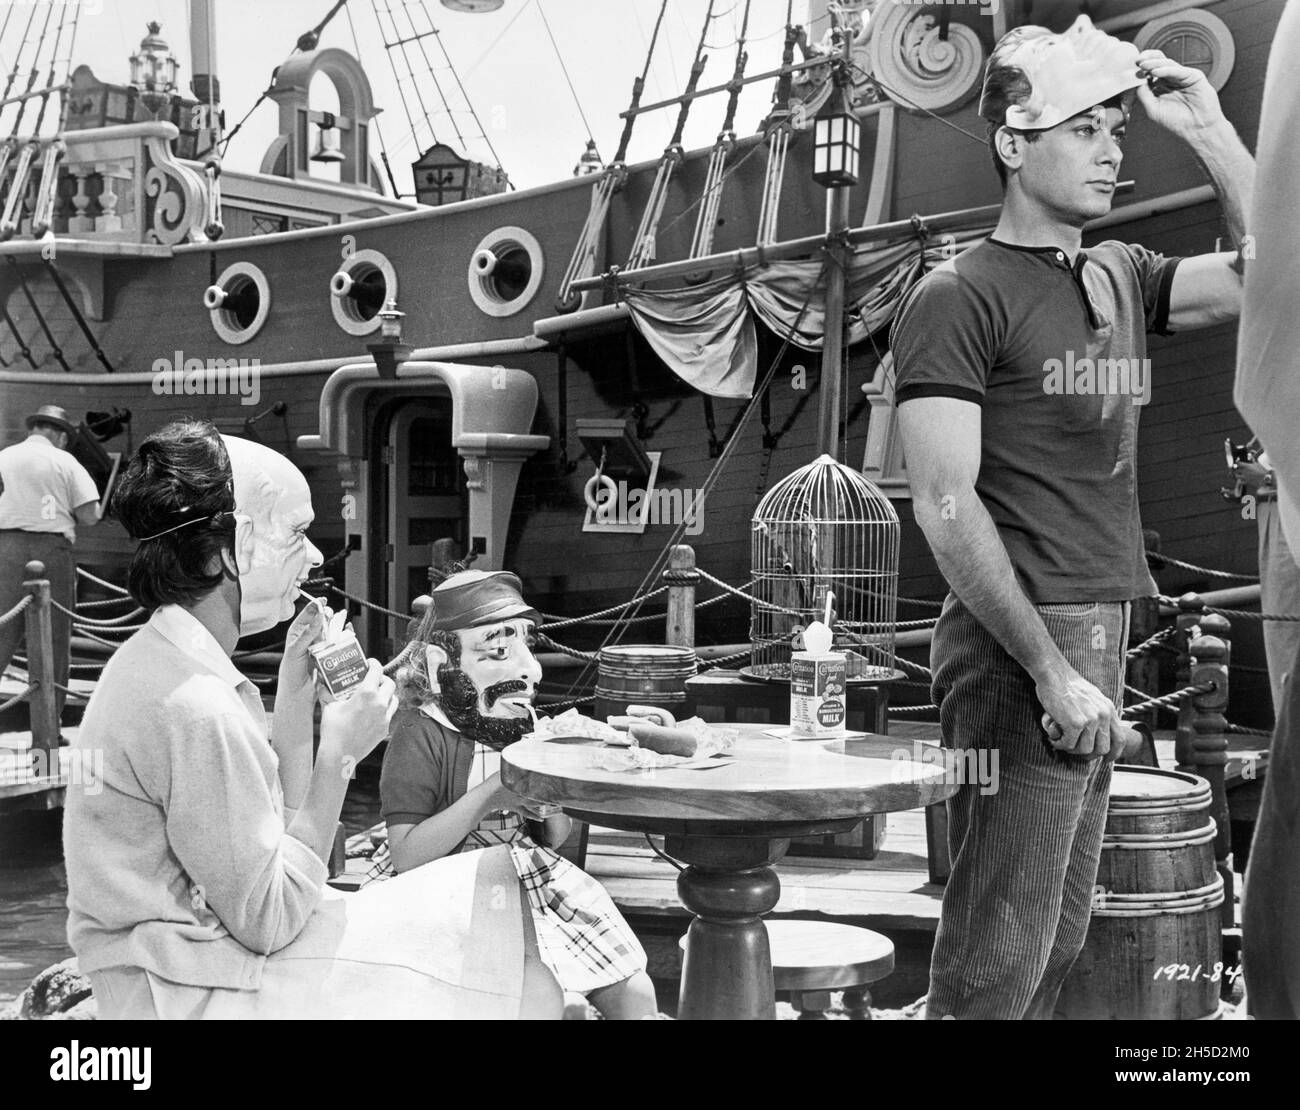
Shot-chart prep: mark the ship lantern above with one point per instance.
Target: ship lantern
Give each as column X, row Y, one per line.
column 390, row 352
column 153, row 69
column 590, row 161
column 473, row 6
column 837, row 137
column 329, row 146
column 390, row 322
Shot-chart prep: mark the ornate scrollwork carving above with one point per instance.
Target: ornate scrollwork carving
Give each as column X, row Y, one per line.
column 916, row 65
column 178, row 205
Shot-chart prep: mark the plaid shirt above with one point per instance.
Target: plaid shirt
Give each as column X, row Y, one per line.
column 581, row 936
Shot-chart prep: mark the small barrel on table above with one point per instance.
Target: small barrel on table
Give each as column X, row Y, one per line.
column 1155, row 905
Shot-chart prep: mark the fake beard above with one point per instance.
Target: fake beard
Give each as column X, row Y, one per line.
column 458, row 698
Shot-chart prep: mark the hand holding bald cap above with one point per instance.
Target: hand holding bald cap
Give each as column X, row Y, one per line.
column 1068, row 72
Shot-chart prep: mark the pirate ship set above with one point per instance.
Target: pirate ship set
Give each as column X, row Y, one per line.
column 482, row 366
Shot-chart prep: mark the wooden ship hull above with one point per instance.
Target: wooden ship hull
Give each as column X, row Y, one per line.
column 476, row 438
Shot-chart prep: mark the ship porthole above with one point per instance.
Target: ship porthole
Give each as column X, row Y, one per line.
column 505, row 271
column 238, row 302
column 359, row 289
column 1193, row 38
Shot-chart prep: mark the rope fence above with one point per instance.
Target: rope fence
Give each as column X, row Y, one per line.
column 1158, row 640
column 98, row 629
column 104, row 601
column 9, row 703
column 16, row 611
column 1167, row 701
column 110, row 586
column 1167, row 561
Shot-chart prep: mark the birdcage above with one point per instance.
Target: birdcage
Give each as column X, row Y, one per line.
column 824, row 528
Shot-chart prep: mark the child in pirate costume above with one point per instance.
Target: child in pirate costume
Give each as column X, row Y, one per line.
column 469, row 677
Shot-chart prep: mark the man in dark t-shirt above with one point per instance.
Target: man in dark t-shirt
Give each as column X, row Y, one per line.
column 1021, row 374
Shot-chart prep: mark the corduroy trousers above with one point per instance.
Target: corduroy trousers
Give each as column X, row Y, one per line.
column 1024, row 856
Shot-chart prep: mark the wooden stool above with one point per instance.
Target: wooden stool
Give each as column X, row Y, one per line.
column 812, row 958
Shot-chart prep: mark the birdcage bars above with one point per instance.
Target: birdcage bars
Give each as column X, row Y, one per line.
column 824, row 528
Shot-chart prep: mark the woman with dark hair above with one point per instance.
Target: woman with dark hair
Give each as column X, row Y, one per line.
column 196, row 873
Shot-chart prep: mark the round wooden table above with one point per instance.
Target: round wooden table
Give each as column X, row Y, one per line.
column 730, row 824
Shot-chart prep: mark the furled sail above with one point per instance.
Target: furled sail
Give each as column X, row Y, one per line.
column 706, row 333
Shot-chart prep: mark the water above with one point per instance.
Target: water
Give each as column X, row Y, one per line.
column 34, row 884
column 33, row 899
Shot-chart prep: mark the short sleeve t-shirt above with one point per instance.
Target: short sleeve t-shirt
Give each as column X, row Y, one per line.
column 42, row 485
column 428, row 766
column 1055, row 356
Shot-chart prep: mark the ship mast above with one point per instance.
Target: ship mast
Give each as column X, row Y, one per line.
column 207, row 90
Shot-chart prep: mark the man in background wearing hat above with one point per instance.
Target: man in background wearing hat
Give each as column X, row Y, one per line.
column 44, row 494
column 1027, row 491
column 466, row 690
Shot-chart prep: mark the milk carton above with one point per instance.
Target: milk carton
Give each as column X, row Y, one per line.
column 340, row 663
column 818, row 686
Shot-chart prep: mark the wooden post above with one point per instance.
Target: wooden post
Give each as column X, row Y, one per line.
column 681, row 577
column 442, row 553
column 1211, row 654
column 1144, row 670
column 40, row 662
column 1187, row 628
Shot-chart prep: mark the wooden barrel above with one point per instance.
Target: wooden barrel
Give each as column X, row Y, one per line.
column 1154, row 940
column 643, row 674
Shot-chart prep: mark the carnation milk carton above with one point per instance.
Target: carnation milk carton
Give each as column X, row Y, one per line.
column 818, row 687
column 339, row 660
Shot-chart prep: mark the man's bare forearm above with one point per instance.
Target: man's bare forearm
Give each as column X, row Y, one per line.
column 1232, row 172
column 973, row 559
column 291, row 740
column 317, row 817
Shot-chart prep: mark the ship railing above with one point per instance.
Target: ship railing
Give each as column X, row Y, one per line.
column 129, row 187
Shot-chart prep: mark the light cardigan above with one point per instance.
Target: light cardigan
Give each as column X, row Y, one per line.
column 181, row 864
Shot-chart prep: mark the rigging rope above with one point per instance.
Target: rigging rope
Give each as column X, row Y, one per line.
column 55, row 349
column 68, row 299
column 679, row 530
column 643, row 246
column 383, row 146
column 306, row 41
column 565, row 69
column 638, row 87
column 706, row 222
column 49, row 80
column 22, row 343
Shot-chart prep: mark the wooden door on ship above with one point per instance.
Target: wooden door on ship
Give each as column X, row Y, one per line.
column 426, row 501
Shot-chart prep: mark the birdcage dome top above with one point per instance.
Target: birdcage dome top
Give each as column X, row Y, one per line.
column 825, row 491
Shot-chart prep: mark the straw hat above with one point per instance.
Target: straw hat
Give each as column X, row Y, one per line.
column 52, row 414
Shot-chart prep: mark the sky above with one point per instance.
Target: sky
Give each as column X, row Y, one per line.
column 504, row 59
